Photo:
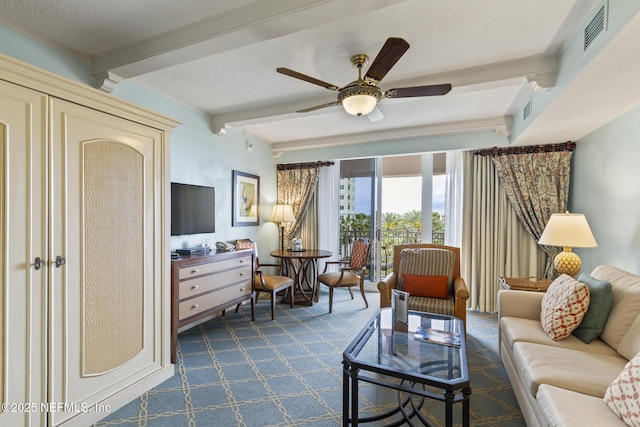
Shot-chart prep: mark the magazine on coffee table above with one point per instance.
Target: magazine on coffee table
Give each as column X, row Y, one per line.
column 438, row 337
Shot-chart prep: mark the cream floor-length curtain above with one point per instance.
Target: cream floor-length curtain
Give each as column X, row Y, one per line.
column 495, row 241
column 308, row 230
column 328, row 194
column 453, row 199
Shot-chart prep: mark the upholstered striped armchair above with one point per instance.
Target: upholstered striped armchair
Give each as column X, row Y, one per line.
column 421, row 266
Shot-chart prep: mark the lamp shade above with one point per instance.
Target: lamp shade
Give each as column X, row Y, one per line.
column 568, row 230
column 282, row 213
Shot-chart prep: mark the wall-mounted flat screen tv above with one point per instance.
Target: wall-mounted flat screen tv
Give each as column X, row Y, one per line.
column 192, row 209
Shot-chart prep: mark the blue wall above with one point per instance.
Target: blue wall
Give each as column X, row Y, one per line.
column 605, row 187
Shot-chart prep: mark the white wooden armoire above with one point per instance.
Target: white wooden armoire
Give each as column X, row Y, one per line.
column 84, row 249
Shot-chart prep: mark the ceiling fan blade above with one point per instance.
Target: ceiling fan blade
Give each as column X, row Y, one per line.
column 390, row 53
column 317, row 107
column 304, row 77
column 375, row 115
column 408, row 92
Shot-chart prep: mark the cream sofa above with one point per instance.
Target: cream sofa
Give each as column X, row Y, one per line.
column 562, row 383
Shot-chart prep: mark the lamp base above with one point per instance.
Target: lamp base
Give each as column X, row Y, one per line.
column 567, row 262
column 282, row 237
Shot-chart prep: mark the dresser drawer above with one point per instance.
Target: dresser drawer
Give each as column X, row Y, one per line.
column 201, row 284
column 205, row 302
column 213, row 267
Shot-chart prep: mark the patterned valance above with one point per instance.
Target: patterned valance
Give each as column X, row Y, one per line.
column 527, row 149
column 308, row 165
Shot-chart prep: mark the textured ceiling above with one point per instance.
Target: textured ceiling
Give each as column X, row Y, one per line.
column 220, row 57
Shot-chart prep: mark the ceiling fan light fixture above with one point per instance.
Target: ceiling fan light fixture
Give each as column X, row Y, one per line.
column 359, row 100
column 360, row 97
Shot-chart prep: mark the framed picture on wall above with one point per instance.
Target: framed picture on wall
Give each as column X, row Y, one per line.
column 246, row 199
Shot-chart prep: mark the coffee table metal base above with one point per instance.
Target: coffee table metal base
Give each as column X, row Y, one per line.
column 408, row 407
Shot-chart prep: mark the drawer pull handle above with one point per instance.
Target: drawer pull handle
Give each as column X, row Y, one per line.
column 194, row 287
column 195, row 307
column 242, row 274
column 241, row 289
column 194, row 271
column 241, row 261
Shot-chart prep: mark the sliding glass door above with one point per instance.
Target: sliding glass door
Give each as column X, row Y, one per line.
column 391, row 200
column 357, row 205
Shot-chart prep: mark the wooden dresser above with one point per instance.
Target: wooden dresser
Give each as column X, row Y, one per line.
column 202, row 286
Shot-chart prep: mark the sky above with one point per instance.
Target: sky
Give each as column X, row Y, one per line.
column 400, row 195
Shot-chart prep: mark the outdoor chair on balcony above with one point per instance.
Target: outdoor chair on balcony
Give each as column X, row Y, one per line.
column 351, row 273
column 431, row 275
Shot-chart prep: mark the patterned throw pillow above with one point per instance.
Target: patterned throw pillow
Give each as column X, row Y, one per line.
column 623, row 394
column 563, row 307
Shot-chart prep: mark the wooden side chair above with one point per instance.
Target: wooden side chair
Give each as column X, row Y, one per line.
column 350, row 274
column 268, row 283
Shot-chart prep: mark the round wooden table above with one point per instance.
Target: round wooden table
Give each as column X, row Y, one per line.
column 302, row 267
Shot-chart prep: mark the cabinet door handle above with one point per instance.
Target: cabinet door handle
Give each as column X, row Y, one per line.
column 38, row 263
column 60, row 261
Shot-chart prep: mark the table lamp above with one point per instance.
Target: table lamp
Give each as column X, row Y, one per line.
column 282, row 214
column 568, row 230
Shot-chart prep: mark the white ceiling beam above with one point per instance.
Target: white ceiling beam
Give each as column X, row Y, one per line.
column 499, row 125
column 541, row 69
column 253, row 23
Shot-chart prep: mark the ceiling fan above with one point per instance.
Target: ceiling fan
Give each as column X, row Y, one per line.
column 360, row 97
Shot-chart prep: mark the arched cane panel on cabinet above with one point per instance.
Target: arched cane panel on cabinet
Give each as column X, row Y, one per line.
column 113, row 218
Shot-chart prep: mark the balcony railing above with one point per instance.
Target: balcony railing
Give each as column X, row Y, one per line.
column 388, row 239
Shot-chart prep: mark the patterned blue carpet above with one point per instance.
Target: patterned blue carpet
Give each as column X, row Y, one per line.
column 231, row 371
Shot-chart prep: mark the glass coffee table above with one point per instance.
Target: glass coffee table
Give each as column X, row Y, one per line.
column 425, row 358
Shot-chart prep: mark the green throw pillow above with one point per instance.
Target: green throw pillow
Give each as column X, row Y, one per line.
column 596, row 316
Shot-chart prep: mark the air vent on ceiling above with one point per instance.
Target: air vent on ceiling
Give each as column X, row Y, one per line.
column 526, row 112
column 596, row 26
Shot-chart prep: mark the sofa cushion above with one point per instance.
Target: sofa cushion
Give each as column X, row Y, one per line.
column 426, row 286
column 626, row 302
column 427, row 262
column 623, row 395
column 561, row 407
column 574, row 370
column 563, row 306
column 515, row 329
column 630, row 344
column 600, row 299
